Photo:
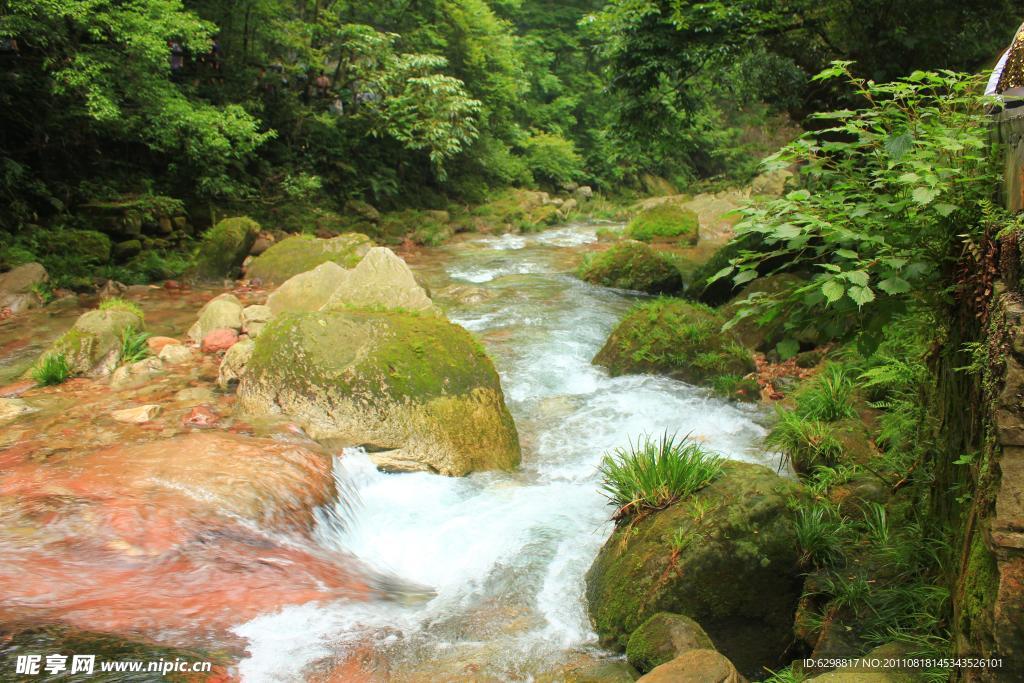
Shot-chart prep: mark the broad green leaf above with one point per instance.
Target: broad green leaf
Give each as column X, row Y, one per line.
column 861, row 295
column 722, row 273
column 788, row 348
column 833, row 291
column 925, row 195
column 898, row 145
column 857, row 277
column 847, row 254
column 944, row 209
column 745, row 276
column 894, row 285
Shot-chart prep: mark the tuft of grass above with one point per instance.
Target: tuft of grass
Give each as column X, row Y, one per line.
column 829, row 396
column 52, row 369
column 787, row 675
column 806, row 443
column 119, row 304
column 653, row 473
column 133, row 345
column 821, row 533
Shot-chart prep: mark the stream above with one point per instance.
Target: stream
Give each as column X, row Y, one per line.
column 505, row 553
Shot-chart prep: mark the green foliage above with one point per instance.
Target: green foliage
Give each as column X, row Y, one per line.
column 551, row 159
column 828, row 397
column 807, row 443
column 890, row 190
column 133, row 345
column 665, row 220
column 821, row 532
column 788, row 675
column 656, row 472
column 52, row 369
column 119, row 304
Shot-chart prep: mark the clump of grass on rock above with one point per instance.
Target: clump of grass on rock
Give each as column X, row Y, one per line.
column 665, row 222
column 119, row 304
column 653, row 473
column 632, row 265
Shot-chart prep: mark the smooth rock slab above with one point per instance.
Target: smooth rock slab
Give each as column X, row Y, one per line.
column 137, row 415
column 175, row 354
column 13, row 408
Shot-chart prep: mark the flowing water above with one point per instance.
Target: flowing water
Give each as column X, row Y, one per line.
column 505, row 553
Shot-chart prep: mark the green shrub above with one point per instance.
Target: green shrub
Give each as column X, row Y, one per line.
column 632, row 265
column 806, row 443
column 665, row 221
column 552, row 159
column 656, row 472
column 828, row 397
column 119, row 304
column 893, row 192
column 133, row 345
column 52, row 369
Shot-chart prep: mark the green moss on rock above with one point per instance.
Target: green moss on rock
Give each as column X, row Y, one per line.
column 632, row 265
column 678, row 339
column 663, row 637
column 726, row 557
column 415, row 385
column 666, row 221
column 300, row 253
column 225, row 246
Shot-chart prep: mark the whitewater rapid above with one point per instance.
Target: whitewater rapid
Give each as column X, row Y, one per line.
column 506, row 553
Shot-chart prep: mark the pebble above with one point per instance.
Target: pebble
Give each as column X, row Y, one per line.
column 137, row 415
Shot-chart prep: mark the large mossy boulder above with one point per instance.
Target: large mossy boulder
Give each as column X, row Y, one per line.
column 300, row 253
column 93, row 345
column 632, row 265
column 727, row 557
column 667, row 221
column 224, row 247
column 679, row 339
column 416, row 390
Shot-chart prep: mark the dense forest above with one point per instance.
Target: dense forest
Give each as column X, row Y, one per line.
column 269, row 105
column 593, row 340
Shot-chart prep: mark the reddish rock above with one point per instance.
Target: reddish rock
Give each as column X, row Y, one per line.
column 190, row 535
column 16, row 389
column 157, row 344
column 201, row 416
column 172, row 284
column 221, row 339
